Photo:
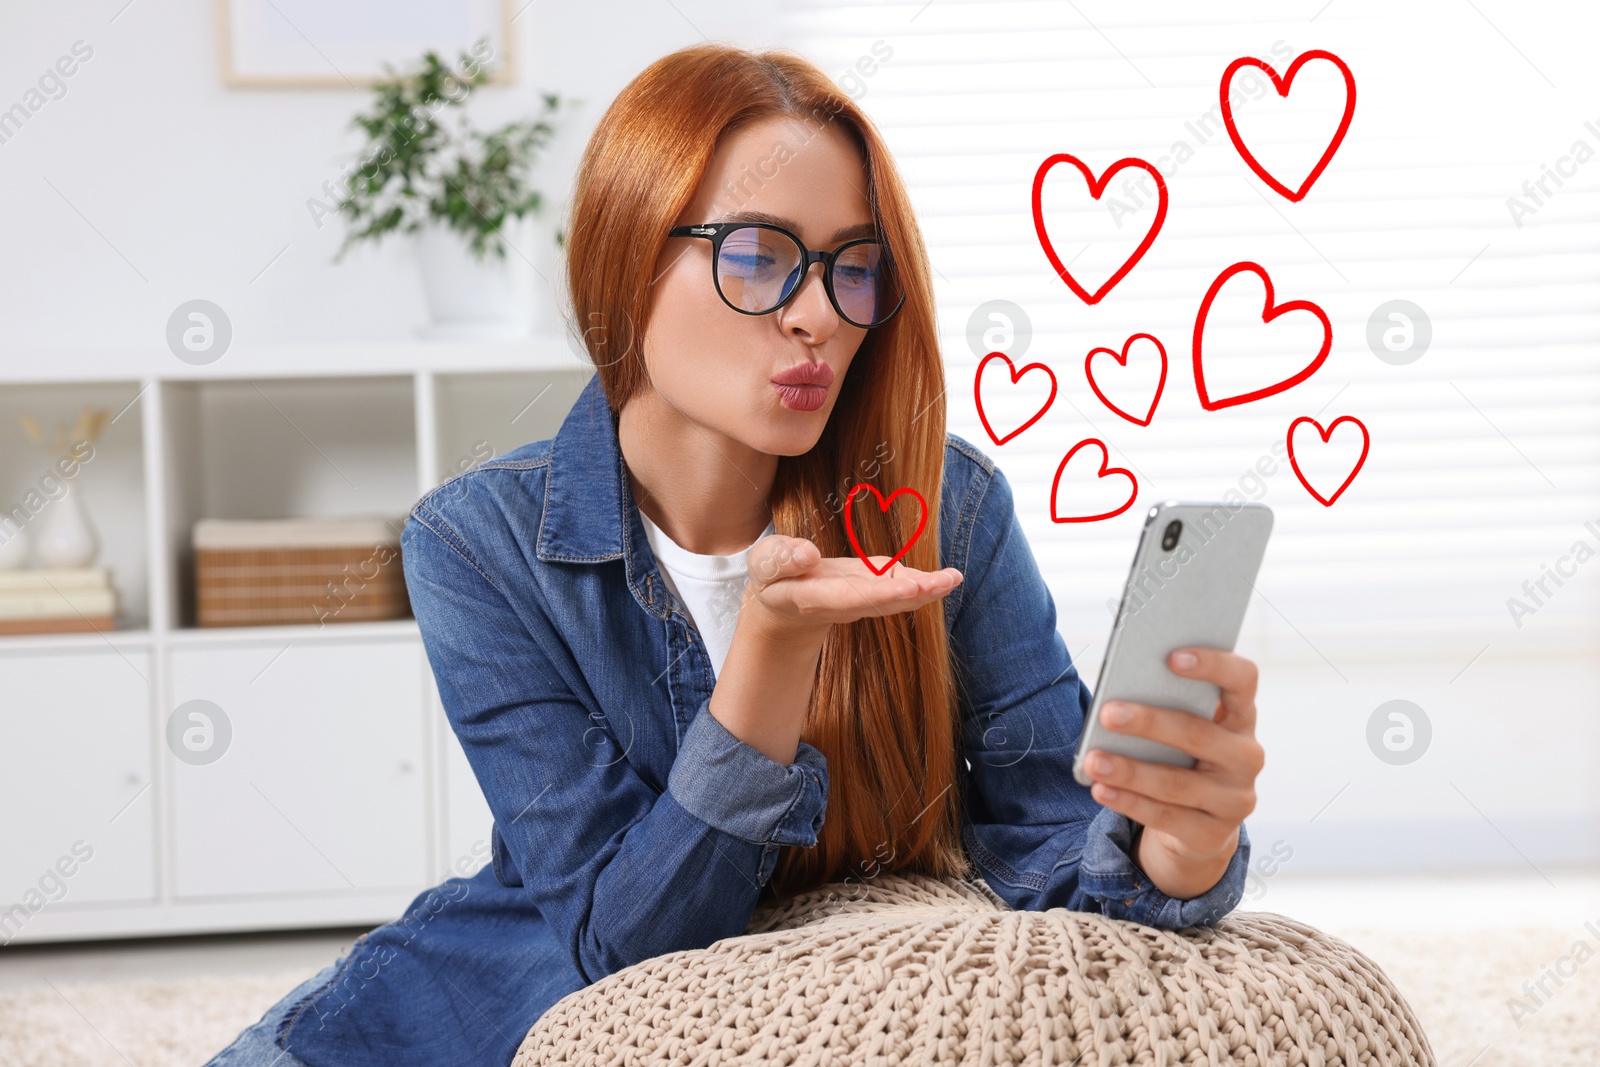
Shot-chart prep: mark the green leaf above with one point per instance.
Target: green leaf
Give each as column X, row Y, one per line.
column 486, row 176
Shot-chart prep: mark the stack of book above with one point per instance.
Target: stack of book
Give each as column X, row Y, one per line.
column 49, row 600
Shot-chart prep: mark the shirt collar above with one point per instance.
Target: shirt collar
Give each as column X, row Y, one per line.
column 586, row 500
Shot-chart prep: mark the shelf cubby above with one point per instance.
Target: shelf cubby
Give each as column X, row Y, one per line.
column 280, row 448
column 481, row 415
column 337, row 726
column 109, row 478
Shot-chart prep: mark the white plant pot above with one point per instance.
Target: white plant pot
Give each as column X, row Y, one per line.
column 491, row 299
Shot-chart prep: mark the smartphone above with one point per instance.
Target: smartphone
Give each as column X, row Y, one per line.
column 1193, row 571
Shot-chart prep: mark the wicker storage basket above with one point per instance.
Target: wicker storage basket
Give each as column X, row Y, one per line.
column 298, row 571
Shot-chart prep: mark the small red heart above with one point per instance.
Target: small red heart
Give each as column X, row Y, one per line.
column 883, row 505
column 1133, row 483
column 1122, row 360
column 1269, row 311
column 1282, row 85
column 1366, row 444
column 1016, row 376
column 1096, row 188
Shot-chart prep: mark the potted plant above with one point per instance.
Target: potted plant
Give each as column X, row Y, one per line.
column 464, row 195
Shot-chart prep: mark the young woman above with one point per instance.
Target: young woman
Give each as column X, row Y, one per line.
column 679, row 688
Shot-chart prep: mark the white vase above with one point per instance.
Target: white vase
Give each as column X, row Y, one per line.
column 491, row 299
column 64, row 536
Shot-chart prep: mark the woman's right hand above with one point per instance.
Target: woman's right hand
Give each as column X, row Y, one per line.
column 794, row 591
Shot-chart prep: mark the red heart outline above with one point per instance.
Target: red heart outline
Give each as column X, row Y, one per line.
column 1122, row 359
column 883, row 505
column 1016, row 376
column 1282, row 85
column 1105, row 469
column 1366, row 445
column 1269, row 311
column 1096, row 188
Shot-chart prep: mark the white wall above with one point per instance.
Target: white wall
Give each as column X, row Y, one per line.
column 149, row 183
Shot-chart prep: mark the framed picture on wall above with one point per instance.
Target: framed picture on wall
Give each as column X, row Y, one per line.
column 344, row 43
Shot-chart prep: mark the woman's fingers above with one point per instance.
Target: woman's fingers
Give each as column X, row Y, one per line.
column 841, row 593
column 1203, row 834
column 779, row 556
column 855, row 568
column 860, row 592
column 790, row 575
column 1234, row 674
column 1227, row 799
column 1201, row 738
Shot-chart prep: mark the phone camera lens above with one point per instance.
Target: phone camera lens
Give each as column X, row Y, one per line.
column 1169, row 539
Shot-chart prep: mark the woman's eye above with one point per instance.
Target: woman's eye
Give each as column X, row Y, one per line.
column 853, row 275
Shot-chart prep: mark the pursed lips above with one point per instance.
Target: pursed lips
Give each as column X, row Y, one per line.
column 806, row 374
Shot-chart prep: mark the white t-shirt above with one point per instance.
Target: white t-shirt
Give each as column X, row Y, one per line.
column 711, row 587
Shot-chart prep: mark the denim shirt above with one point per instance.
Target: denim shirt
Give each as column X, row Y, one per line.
column 628, row 822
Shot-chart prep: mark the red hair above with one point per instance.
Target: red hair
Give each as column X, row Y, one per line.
column 884, row 707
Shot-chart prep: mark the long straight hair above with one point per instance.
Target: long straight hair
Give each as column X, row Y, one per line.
column 884, row 708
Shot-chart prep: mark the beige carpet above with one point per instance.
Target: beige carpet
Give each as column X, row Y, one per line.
column 146, row 1024
column 1458, row 983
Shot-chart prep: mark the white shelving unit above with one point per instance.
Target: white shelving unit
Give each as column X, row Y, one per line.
column 342, row 791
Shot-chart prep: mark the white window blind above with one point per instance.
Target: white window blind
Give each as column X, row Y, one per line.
column 1485, row 452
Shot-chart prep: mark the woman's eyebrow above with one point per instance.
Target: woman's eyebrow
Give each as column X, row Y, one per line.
column 844, row 233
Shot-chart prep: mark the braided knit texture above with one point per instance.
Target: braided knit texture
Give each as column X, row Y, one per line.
column 917, row 970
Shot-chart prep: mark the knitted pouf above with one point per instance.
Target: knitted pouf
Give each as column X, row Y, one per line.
column 914, row 970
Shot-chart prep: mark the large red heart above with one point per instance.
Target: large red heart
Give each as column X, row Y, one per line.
column 1122, row 360
column 1016, row 376
column 883, row 505
column 1096, row 188
column 1366, row 444
column 1269, row 311
column 1105, row 469
column 1282, row 85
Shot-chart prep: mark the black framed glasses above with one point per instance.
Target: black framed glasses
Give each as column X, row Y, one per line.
column 757, row 268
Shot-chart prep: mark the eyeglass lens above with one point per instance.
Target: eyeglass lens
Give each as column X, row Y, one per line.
column 758, row 268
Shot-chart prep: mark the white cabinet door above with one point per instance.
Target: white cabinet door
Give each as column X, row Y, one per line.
column 79, row 812
column 320, row 786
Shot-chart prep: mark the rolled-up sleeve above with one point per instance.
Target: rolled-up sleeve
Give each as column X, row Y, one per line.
column 744, row 792
column 1039, row 837
column 1109, row 873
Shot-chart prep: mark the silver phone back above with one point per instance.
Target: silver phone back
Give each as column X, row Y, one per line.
column 1193, row 594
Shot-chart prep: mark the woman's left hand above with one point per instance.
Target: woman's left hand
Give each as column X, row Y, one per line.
column 1191, row 816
